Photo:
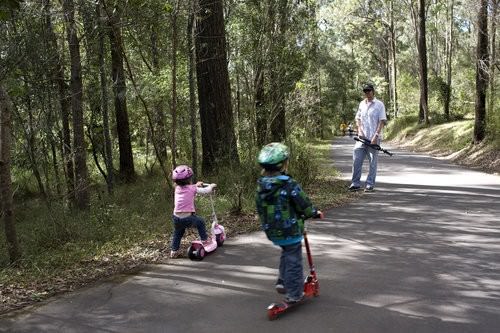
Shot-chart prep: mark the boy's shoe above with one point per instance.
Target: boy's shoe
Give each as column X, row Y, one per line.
column 292, row 301
column 369, row 188
column 353, row 188
column 280, row 287
column 175, row 254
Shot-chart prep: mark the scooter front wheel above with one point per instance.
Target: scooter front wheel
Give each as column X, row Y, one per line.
column 219, row 238
column 196, row 252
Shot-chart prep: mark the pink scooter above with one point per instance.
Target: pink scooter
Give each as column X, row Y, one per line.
column 198, row 251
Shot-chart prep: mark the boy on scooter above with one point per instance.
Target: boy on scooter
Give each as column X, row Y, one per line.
column 282, row 207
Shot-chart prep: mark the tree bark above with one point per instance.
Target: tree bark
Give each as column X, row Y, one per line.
column 260, row 107
column 57, row 66
column 216, row 115
column 108, row 150
column 82, row 197
column 160, row 132
column 481, row 72
column 192, row 95
column 393, row 50
column 493, row 57
column 449, row 58
column 127, row 172
column 174, row 16
column 422, row 64
column 6, row 200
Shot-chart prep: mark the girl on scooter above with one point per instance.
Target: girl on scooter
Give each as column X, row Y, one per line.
column 184, row 208
column 282, row 207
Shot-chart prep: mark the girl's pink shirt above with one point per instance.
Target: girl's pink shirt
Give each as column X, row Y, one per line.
column 184, row 199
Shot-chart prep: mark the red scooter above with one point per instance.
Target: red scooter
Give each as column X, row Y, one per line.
column 311, row 288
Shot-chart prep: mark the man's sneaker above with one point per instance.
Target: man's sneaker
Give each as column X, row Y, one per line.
column 280, row 288
column 353, row 188
column 175, row 254
column 369, row 188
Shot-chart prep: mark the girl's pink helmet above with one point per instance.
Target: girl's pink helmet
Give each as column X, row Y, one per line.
column 182, row 172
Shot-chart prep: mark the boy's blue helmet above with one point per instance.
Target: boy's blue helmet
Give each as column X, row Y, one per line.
column 273, row 155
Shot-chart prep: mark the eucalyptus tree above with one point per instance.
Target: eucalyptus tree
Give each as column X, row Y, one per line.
column 57, row 67
column 214, row 95
column 114, row 13
column 450, row 10
column 7, row 206
column 481, row 71
column 191, row 55
column 494, row 64
column 82, row 196
column 6, row 194
column 418, row 11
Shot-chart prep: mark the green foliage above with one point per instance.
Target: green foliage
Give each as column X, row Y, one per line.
column 401, row 127
column 7, row 7
column 303, row 165
column 135, row 213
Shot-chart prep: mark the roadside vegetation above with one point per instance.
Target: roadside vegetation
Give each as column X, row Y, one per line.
column 100, row 100
column 66, row 249
column 449, row 140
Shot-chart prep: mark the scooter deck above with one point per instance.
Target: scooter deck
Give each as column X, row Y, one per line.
column 208, row 248
column 311, row 289
column 276, row 309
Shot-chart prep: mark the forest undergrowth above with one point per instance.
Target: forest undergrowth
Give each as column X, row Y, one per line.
column 64, row 251
column 451, row 141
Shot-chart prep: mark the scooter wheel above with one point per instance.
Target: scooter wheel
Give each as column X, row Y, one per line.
column 196, row 252
column 271, row 314
column 219, row 238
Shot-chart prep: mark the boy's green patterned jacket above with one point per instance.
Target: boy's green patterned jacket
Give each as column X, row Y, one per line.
column 282, row 207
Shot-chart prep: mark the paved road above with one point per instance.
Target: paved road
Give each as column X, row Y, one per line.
column 420, row 254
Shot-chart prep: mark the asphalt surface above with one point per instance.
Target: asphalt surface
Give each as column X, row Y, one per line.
column 420, row 254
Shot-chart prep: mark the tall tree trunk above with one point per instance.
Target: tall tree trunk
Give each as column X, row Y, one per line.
column 108, row 150
column 159, row 133
column 481, row 72
column 218, row 139
column 260, row 107
column 393, row 51
column 278, row 26
column 57, row 66
column 449, row 57
column 422, row 64
column 174, row 16
column 6, row 200
column 493, row 57
column 82, row 198
column 127, row 172
column 192, row 96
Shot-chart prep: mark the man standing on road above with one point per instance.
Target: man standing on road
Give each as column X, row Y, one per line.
column 370, row 120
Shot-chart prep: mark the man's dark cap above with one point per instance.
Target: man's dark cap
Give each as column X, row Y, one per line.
column 368, row 86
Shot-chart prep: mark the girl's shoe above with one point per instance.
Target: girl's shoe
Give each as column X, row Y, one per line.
column 175, row 254
column 207, row 241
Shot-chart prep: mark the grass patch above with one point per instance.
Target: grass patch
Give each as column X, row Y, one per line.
column 63, row 249
column 451, row 140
